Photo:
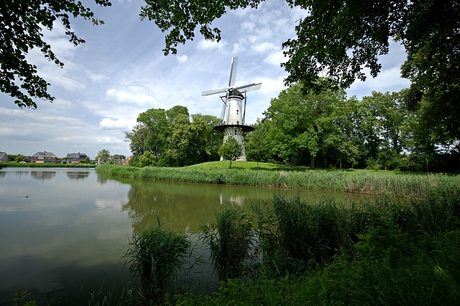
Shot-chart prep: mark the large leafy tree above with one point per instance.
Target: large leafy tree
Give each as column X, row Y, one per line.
column 341, row 38
column 21, row 26
column 302, row 124
column 170, row 138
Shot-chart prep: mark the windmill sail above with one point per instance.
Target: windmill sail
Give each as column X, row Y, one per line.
column 232, row 78
column 233, row 110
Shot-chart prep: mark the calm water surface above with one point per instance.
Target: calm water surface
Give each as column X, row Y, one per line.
column 68, row 228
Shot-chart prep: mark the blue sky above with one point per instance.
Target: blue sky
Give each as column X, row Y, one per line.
column 121, row 71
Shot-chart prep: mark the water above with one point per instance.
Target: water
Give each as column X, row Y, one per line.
column 66, row 229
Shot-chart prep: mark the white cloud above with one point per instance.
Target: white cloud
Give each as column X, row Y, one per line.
column 275, row 59
column 264, row 47
column 271, row 86
column 182, row 58
column 97, row 77
column 388, row 80
column 130, row 97
column 109, row 123
column 211, row 45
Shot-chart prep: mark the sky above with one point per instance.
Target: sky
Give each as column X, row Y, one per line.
column 121, row 72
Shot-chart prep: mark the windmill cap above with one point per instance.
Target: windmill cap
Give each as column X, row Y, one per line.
column 235, row 93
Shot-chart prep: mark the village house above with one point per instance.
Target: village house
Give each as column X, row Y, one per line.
column 76, row 158
column 44, row 158
column 3, row 157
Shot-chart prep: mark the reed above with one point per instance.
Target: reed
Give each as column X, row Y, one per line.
column 296, row 236
column 409, row 271
column 154, row 258
column 231, row 242
column 378, row 183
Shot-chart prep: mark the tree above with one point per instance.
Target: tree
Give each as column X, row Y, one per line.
column 231, row 149
column 301, row 123
column 257, row 146
column 341, row 38
column 173, row 139
column 103, row 156
column 21, row 25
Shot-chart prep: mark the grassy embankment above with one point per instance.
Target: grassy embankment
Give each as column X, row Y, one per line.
column 32, row 165
column 389, row 183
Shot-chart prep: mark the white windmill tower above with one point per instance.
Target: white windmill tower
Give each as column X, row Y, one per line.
column 233, row 109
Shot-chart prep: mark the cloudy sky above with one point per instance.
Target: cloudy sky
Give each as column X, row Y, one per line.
column 121, row 71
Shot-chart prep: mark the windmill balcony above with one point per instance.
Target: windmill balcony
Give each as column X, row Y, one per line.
column 246, row 127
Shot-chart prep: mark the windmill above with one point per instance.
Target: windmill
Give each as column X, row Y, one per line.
column 233, row 113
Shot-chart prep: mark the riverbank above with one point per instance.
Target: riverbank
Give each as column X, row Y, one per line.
column 31, row 165
column 383, row 253
column 354, row 181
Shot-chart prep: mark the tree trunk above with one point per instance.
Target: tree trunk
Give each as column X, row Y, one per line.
column 312, row 162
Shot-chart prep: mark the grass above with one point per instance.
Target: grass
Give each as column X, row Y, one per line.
column 407, row 185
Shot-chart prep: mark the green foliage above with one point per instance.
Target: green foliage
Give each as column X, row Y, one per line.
column 103, row 156
column 181, row 18
column 147, row 159
column 231, row 150
column 231, row 243
column 154, row 258
column 22, row 25
column 172, row 138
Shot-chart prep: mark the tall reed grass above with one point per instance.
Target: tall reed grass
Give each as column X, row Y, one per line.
column 231, row 242
column 384, row 253
column 399, row 185
column 154, row 258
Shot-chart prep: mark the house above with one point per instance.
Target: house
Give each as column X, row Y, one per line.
column 44, row 158
column 4, row 157
column 76, row 158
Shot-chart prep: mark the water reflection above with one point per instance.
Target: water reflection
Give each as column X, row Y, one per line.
column 76, row 175
column 71, row 239
column 43, row 175
column 184, row 207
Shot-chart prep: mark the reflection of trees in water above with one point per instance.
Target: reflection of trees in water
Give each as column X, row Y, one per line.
column 179, row 206
column 76, row 175
column 175, row 210
column 182, row 206
column 2, row 174
column 101, row 179
column 43, row 175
